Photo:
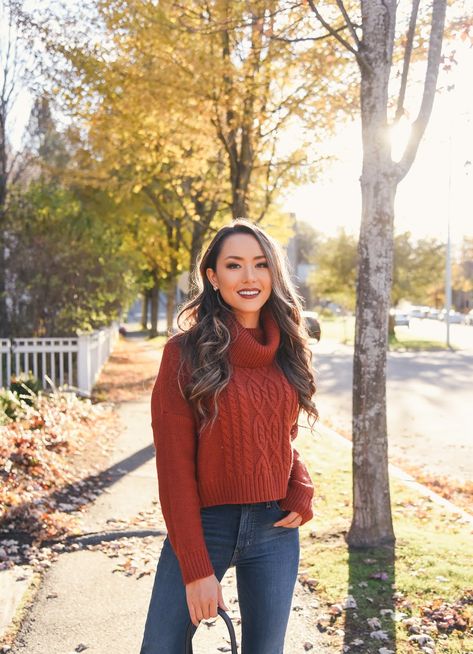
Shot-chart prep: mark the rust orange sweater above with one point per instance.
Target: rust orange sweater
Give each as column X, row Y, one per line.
column 247, row 456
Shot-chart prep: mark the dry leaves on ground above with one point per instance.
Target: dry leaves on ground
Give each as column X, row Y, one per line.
column 46, row 456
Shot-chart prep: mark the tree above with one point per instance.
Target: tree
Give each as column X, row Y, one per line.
column 235, row 65
column 418, row 270
column 308, row 243
column 370, row 38
column 335, row 275
column 462, row 277
column 194, row 101
column 68, row 268
column 10, row 73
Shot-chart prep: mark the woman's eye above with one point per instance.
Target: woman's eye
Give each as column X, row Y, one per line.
column 262, row 264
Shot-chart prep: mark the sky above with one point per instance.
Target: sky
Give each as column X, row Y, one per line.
column 423, row 201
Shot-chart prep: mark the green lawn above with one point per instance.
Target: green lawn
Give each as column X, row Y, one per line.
column 429, row 565
column 342, row 330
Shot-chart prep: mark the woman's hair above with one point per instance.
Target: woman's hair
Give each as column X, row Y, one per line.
column 206, row 339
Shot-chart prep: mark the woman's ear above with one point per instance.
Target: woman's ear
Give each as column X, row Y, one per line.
column 211, row 276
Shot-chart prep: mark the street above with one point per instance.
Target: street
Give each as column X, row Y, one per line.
column 429, row 399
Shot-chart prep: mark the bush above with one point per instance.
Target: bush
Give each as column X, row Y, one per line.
column 26, row 386
column 23, row 391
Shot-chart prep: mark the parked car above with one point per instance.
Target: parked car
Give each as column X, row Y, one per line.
column 416, row 311
column 433, row 314
column 311, row 319
column 468, row 318
column 400, row 318
column 454, row 316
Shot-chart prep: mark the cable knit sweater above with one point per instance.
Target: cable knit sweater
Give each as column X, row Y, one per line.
column 247, row 456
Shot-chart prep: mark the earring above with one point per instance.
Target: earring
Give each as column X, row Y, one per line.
column 215, row 288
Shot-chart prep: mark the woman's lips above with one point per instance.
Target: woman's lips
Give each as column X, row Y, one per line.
column 249, row 295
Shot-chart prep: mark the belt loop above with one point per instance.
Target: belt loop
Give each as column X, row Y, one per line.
column 268, row 505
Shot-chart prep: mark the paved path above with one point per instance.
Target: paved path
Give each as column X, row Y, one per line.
column 430, row 408
column 85, row 604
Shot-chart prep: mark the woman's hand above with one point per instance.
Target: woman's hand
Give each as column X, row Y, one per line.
column 291, row 520
column 204, row 596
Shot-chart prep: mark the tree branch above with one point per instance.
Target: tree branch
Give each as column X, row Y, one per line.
column 430, row 84
column 308, row 38
column 407, row 59
column 331, row 30
column 350, row 25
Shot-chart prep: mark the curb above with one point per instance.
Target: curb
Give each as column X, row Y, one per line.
column 16, row 586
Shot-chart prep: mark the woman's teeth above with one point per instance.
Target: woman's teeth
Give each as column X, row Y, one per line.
column 248, row 293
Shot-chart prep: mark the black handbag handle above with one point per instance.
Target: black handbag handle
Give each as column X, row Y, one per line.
column 229, row 624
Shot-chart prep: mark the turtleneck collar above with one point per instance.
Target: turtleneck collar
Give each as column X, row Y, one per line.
column 245, row 350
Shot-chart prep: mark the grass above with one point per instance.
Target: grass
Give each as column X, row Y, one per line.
column 342, row 330
column 428, row 569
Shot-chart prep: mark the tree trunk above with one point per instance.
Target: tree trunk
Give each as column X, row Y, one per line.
column 170, row 304
column 154, row 300
column 239, row 202
column 372, row 520
column 4, row 318
column 144, row 308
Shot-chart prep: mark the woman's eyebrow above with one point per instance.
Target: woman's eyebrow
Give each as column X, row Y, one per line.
column 232, row 256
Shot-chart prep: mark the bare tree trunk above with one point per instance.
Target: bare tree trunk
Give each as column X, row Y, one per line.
column 154, row 300
column 170, row 303
column 145, row 301
column 372, row 520
column 4, row 318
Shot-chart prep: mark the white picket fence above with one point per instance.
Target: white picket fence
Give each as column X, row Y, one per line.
column 73, row 361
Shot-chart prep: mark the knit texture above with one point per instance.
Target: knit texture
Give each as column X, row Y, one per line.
column 245, row 457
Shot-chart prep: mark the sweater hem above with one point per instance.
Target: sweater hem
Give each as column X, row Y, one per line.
column 246, row 491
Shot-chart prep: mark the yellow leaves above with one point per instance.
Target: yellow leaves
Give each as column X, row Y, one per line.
column 137, row 188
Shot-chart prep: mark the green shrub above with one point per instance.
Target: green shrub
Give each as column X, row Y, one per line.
column 23, row 391
column 26, row 386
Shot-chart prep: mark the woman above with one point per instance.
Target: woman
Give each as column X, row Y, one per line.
column 224, row 407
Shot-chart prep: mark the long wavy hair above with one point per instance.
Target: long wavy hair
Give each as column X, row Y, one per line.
column 205, row 339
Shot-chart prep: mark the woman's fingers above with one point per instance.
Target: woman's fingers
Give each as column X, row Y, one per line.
column 193, row 616
column 292, row 519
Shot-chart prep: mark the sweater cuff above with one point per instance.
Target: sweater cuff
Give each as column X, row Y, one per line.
column 298, row 500
column 195, row 565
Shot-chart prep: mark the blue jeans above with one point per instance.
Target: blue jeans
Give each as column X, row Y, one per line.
column 266, row 559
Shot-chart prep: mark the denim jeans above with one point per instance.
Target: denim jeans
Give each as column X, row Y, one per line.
column 266, row 561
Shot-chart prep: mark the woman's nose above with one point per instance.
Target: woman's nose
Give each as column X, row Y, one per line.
column 249, row 273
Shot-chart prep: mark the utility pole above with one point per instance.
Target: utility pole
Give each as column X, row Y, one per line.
column 448, row 264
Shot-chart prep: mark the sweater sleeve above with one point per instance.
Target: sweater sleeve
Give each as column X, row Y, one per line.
column 175, row 441
column 300, row 490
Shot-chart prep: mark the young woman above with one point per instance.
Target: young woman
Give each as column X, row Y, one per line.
column 233, row 490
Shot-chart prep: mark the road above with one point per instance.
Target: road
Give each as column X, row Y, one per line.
column 430, row 404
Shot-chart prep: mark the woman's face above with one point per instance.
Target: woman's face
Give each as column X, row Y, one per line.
column 242, row 277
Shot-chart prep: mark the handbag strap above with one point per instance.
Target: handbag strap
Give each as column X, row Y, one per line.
column 229, row 624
